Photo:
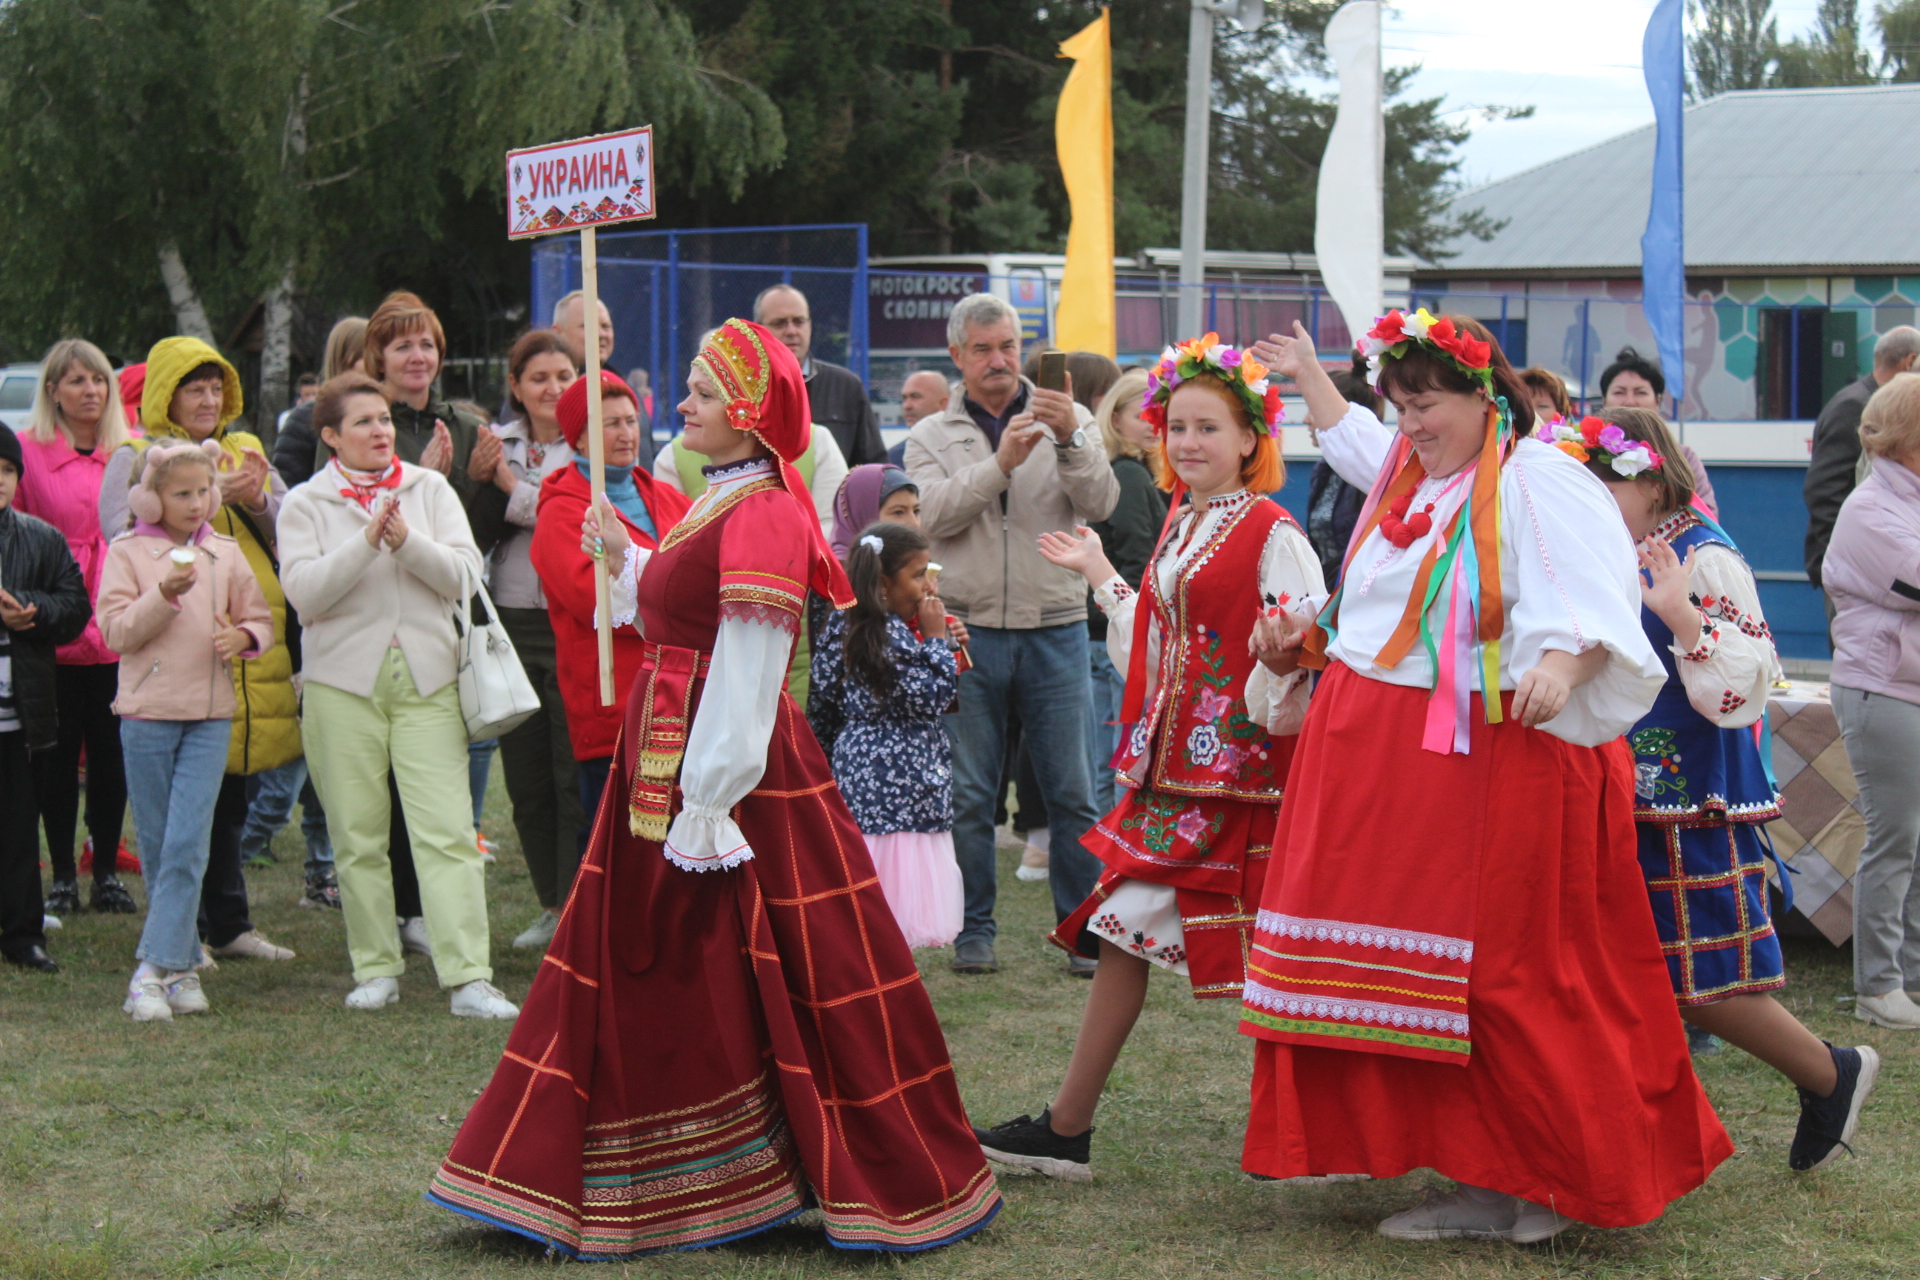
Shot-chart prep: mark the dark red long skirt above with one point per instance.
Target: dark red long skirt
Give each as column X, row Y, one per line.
column 1578, row 1091
column 705, row 1055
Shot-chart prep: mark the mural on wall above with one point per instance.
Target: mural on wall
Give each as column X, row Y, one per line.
column 1735, row 325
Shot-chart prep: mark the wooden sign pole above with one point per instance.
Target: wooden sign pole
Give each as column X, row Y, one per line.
column 596, row 453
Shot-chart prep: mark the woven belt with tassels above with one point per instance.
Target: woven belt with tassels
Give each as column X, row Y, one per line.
column 666, row 714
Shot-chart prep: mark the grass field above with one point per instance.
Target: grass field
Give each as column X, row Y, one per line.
column 282, row 1136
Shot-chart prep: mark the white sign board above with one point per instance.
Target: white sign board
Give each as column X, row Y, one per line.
column 588, row 182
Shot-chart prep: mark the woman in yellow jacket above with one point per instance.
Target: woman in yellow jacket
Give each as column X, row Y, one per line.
column 192, row 393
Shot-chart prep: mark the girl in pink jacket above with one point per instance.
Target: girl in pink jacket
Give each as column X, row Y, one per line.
column 178, row 603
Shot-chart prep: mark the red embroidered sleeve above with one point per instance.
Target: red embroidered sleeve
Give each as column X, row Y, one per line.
column 763, row 563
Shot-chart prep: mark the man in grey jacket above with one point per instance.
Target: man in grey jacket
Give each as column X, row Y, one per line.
column 1836, row 441
column 1002, row 463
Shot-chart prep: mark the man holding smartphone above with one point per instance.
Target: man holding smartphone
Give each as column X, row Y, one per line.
column 1002, row 463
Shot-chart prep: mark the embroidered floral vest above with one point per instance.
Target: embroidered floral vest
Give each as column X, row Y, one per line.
column 1195, row 737
column 1686, row 768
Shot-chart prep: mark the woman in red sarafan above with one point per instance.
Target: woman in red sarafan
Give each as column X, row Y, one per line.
column 728, row 1028
column 1452, row 967
column 1210, row 730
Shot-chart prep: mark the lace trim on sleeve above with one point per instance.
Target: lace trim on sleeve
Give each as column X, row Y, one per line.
column 624, row 589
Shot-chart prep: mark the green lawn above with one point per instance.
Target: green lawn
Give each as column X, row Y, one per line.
column 282, row 1136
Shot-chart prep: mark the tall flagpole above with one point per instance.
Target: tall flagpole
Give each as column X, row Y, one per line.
column 1193, row 178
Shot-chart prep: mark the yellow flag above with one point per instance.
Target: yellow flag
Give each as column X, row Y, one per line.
column 1083, row 135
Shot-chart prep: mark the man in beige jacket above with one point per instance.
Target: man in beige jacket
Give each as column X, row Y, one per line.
column 1003, row 463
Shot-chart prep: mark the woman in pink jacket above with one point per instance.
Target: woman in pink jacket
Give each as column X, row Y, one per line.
column 75, row 425
column 1872, row 571
column 178, row 602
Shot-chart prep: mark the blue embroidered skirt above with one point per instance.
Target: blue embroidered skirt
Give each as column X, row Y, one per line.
column 1709, row 889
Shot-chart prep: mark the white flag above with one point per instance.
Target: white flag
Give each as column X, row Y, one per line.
column 1349, row 233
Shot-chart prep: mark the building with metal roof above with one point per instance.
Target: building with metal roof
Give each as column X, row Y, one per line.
column 1778, row 181
column 1803, row 244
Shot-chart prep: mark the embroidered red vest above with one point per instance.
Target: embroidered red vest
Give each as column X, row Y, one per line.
column 1195, row 737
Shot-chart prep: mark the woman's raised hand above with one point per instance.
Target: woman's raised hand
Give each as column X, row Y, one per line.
column 1288, row 356
column 1083, row 553
column 485, row 458
column 394, row 531
column 439, row 451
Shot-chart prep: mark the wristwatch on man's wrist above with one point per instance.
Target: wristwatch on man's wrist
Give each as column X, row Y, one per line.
column 1074, row 441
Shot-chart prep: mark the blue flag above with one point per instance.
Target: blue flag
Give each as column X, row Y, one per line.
column 1663, row 258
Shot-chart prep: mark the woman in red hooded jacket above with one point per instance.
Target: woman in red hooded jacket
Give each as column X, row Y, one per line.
column 728, row 1029
column 646, row 509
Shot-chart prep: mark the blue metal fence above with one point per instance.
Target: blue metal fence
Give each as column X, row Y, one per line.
column 664, row 289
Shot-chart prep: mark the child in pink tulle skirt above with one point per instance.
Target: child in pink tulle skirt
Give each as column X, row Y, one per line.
column 883, row 673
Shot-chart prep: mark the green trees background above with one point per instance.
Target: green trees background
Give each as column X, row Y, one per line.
column 251, row 169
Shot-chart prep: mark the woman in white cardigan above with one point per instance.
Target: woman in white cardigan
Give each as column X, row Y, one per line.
column 376, row 554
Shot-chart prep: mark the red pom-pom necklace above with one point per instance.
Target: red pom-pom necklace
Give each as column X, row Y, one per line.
column 1400, row 528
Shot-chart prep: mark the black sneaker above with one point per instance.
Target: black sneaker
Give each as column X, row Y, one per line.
column 1032, row 1145
column 1827, row 1124
column 63, row 898
column 321, row 894
column 110, row 897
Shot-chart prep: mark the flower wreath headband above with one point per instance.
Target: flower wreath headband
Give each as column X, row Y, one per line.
column 1628, row 457
column 1394, row 332
column 1239, row 372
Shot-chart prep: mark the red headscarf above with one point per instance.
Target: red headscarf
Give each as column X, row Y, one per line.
column 572, row 409
column 766, row 394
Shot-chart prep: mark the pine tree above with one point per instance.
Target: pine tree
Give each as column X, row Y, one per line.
column 1735, row 45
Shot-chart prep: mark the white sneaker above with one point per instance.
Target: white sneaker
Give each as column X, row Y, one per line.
column 1454, row 1215
column 184, row 994
column 539, row 933
column 147, row 1001
column 49, row 924
column 1537, row 1223
column 374, row 993
column 413, row 936
column 1895, row 1009
column 253, row 945
column 481, row 999
column 1034, row 859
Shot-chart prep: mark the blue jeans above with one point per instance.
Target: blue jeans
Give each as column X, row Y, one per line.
column 1109, row 687
column 593, row 781
column 479, row 765
column 174, row 768
column 270, row 797
column 1042, row 672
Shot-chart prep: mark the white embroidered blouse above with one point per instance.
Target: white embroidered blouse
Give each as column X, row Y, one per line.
column 1569, row 579
column 1289, row 571
column 1730, row 671
column 727, row 742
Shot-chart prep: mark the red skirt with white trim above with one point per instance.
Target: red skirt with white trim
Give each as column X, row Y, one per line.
column 1576, row 1089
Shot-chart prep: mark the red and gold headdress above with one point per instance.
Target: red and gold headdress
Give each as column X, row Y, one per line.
column 766, row 394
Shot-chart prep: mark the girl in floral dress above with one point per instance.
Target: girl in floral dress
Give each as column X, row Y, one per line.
column 1701, row 791
column 1212, row 730
column 879, row 689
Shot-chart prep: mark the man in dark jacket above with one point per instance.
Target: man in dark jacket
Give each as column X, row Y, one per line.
column 837, row 396
column 1836, row 440
column 43, row 604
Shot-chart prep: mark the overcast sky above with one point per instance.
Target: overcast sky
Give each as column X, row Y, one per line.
column 1577, row 62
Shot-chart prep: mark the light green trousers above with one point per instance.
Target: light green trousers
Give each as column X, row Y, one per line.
column 351, row 744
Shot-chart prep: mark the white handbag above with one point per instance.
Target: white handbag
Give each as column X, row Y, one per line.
column 495, row 694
